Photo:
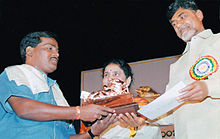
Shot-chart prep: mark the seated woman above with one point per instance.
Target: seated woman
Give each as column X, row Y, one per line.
column 128, row 125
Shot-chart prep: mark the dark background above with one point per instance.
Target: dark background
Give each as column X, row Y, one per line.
column 92, row 31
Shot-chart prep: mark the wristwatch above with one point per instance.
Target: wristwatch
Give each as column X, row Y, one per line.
column 91, row 134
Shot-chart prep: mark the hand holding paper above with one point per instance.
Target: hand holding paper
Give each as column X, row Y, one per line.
column 196, row 91
column 163, row 104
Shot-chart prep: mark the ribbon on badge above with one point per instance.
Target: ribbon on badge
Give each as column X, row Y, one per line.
column 203, row 67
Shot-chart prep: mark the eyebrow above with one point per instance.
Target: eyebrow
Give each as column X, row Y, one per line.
column 180, row 14
column 51, row 45
column 110, row 71
column 178, row 17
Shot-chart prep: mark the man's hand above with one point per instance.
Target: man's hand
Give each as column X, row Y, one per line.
column 101, row 125
column 196, row 91
column 92, row 112
column 130, row 120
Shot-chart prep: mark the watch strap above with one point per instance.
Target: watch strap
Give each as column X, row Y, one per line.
column 91, row 134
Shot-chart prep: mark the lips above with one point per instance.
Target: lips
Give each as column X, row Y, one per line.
column 54, row 60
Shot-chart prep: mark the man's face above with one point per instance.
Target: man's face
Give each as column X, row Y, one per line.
column 187, row 23
column 44, row 56
column 113, row 71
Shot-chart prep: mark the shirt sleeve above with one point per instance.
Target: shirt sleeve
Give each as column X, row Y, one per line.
column 9, row 88
column 213, row 81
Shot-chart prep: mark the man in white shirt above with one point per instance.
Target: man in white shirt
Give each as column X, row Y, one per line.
column 198, row 67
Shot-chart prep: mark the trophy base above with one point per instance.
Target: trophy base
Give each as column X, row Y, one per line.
column 129, row 108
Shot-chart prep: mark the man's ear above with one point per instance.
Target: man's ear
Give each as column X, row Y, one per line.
column 199, row 14
column 128, row 81
column 29, row 51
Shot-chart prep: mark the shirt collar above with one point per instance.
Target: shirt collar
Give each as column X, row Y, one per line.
column 204, row 34
column 49, row 80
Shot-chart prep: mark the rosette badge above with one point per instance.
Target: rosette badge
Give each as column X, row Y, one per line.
column 203, row 67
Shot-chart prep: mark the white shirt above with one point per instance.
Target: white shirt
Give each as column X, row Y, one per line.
column 198, row 120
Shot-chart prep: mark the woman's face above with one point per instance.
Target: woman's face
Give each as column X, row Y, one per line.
column 113, row 71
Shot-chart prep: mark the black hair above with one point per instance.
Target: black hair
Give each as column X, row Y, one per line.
column 33, row 39
column 123, row 65
column 185, row 4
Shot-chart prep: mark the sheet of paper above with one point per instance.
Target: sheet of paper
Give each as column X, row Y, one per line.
column 162, row 104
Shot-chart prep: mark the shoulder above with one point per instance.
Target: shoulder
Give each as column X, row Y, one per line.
column 14, row 67
column 15, row 72
column 217, row 34
column 216, row 38
column 7, row 70
column 213, row 41
column 3, row 77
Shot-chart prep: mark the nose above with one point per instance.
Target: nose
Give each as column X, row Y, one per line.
column 56, row 54
column 179, row 23
column 180, row 26
column 110, row 77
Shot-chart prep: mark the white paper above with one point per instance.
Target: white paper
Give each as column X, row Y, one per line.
column 162, row 104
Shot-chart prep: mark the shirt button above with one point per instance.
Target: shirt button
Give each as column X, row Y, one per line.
column 57, row 124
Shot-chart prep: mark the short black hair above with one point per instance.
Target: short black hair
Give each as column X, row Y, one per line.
column 185, row 4
column 33, row 39
column 123, row 65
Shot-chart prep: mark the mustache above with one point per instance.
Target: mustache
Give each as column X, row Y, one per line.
column 57, row 59
column 182, row 28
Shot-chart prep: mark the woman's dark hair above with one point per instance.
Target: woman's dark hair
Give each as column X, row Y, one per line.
column 185, row 4
column 33, row 39
column 123, row 65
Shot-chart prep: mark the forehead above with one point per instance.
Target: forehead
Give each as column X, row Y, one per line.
column 113, row 67
column 49, row 41
column 179, row 12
